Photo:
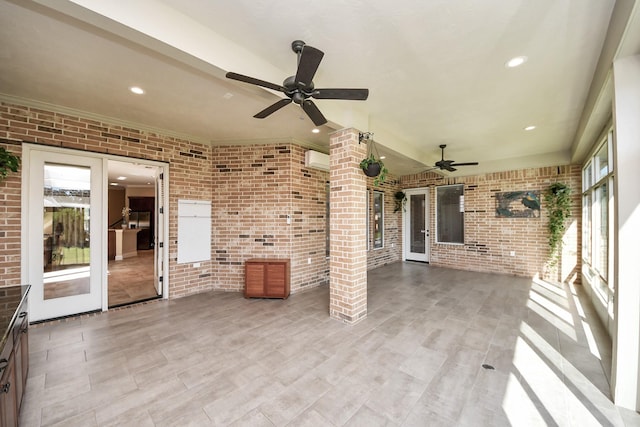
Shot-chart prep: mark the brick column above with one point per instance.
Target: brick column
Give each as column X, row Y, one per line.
column 348, row 247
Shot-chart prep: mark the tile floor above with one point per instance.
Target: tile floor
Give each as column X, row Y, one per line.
column 416, row 360
column 131, row 279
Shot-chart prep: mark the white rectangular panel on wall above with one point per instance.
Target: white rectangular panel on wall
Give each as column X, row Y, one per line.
column 194, row 231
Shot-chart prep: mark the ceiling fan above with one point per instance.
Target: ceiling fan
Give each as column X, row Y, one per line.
column 300, row 88
column 449, row 164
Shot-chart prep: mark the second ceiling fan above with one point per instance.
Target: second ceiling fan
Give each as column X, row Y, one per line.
column 300, row 88
column 448, row 165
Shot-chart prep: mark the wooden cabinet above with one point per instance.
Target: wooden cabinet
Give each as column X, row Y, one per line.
column 21, row 352
column 267, row 278
column 8, row 395
column 14, row 353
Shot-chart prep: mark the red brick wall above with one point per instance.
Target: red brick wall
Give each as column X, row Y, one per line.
column 190, row 169
column 252, row 189
column 10, row 190
column 392, row 250
column 255, row 188
column 489, row 240
column 309, row 222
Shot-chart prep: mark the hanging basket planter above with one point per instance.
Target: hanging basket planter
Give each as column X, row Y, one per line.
column 371, row 165
column 372, row 169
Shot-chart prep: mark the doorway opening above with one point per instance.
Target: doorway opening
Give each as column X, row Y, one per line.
column 71, row 226
column 132, row 268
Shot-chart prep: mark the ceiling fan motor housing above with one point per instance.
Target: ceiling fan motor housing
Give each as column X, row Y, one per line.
column 295, row 91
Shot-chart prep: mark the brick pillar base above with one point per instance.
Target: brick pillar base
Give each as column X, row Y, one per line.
column 348, row 247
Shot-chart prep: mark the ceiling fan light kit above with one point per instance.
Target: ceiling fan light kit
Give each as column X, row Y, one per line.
column 300, row 88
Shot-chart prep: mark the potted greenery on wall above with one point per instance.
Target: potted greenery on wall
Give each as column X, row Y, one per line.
column 8, row 162
column 558, row 200
column 401, row 200
column 372, row 165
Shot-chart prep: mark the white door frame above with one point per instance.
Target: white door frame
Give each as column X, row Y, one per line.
column 406, row 232
column 101, row 236
column 34, row 158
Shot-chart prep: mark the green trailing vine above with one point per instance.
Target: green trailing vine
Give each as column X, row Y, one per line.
column 8, row 162
column 372, row 165
column 401, row 200
column 383, row 175
column 558, row 200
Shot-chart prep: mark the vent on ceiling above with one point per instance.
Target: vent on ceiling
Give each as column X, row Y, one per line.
column 315, row 159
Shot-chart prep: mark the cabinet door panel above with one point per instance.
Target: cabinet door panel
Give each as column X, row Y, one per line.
column 254, row 280
column 21, row 358
column 276, row 279
column 8, row 401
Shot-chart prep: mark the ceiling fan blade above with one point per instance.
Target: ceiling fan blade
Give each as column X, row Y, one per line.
column 313, row 112
column 308, row 65
column 253, row 81
column 354, row 94
column 464, row 164
column 272, row 108
column 449, row 168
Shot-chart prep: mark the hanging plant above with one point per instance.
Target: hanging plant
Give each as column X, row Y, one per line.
column 8, row 162
column 372, row 166
column 558, row 200
column 401, row 200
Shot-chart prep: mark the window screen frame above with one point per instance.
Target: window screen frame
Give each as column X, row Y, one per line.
column 440, row 236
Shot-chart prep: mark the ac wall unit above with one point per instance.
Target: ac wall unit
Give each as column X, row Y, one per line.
column 315, row 159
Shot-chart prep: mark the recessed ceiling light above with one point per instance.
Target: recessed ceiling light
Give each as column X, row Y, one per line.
column 227, row 95
column 383, row 157
column 530, row 127
column 121, row 178
column 516, row 61
column 137, row 90
column 315, row 130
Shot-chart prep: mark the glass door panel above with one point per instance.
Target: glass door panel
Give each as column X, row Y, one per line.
column 417, row 231
column 64, row 224
column 416, row 221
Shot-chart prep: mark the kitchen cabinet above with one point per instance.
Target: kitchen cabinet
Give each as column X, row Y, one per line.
column 14, row 352
column 267, row 278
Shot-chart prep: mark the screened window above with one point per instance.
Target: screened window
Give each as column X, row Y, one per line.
column 587, row 176
column 368, row 220
column 450, row 214
column 378, row 220
column 601, row 231
column 602, row 161
column 597, row 183
column 328, row 216
column 586, row 226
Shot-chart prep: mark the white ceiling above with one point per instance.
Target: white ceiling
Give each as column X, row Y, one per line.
column 435, row 70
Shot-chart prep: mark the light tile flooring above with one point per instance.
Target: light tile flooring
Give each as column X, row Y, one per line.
column 416, row 360
column 131, row 279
